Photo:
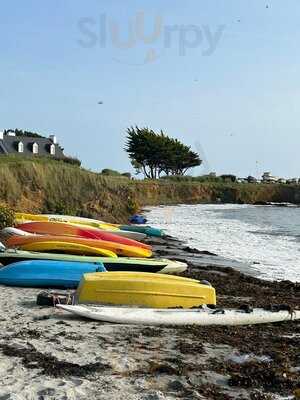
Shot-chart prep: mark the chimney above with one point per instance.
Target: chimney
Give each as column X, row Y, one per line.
column 53, row 138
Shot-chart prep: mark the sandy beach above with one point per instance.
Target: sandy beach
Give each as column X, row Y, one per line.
column 46, row 353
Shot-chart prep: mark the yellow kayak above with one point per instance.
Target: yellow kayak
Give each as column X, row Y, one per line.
column 24, row 217
column 68, row 248
column 144, row 289
column 117, row 248
column 21, row 218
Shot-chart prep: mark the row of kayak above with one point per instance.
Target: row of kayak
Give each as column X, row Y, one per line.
column 162, row 265
column 77, row 235
column 92, row 223
column 98, row 286
column 136, row 297
column 39, row 236
column 114, row 277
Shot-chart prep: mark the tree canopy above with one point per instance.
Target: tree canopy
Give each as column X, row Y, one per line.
column 156, row 153
column 21, row 133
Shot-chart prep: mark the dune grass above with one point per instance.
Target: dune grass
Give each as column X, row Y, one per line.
column 43, row 185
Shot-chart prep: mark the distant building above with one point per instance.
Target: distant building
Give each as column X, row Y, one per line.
column 12, row 143
column 292, row 181
column 251, row 179
column 281, row 180
column 242, row 180
column 268, row 178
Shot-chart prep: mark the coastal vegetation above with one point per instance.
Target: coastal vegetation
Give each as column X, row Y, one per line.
column 23, row 133
column 16, row 158
column 112, row 172
column 153, row 154
column 39, row 185
column 7, row 216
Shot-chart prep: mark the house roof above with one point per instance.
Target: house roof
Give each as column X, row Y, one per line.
column 9, row 145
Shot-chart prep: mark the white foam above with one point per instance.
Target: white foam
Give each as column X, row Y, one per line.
column 274, row 257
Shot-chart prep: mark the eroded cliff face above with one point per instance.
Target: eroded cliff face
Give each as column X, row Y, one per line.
column 55, row 187
column 190, row 192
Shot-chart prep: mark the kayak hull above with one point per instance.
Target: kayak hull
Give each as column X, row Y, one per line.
column 68, row 248
column 149, row 231
column 111, row 264
column 47, row 274
column 148, row 316
column 143, row 289
column 23, row 218
column 68, row 229
column 119, row 249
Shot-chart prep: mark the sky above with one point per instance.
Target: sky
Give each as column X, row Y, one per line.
column 220, row 75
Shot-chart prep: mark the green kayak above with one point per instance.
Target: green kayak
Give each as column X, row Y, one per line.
column 111, row 264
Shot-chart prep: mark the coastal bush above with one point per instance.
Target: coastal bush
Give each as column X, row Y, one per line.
column 132, row 205
column 21, row 133
column 228, row 178
column 110, row 172
column 188, row 178
column 7, row 216
column 72, row 161
column 18, row 158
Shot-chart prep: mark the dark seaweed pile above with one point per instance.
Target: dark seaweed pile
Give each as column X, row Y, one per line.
column 279, row 342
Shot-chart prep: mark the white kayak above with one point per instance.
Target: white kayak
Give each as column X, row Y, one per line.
column 173, row 267
column 204, row 316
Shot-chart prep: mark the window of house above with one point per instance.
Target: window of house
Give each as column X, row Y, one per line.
column 20, row 147
column 52, row 149
column 35, row 148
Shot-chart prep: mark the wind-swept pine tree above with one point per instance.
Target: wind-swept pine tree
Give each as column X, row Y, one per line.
column 154, row 154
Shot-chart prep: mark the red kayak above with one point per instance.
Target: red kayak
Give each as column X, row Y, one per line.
column 65, row 229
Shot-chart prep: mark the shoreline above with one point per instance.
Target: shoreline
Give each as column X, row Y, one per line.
column 48, row 354
column 256, row 240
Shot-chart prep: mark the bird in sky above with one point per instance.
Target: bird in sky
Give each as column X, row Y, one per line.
column 100, row 102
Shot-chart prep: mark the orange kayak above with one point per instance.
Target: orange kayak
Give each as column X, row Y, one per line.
column 119, row 249
column 66, row 229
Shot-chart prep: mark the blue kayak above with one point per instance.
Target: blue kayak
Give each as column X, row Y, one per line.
column 148, row 230
column 47, row 274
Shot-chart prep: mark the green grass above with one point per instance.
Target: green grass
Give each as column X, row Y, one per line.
column 43, row 185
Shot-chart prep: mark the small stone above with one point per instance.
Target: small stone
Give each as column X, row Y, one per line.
column 175, row 386
column 5, row 397
column 153, row 396
column 46, row 392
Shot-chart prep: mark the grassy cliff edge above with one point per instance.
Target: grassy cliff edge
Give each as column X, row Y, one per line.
column 52, row 186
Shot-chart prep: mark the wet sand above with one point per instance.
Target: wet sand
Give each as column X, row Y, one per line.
column 46, row 353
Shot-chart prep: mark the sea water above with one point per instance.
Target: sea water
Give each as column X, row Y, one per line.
column 267, row 238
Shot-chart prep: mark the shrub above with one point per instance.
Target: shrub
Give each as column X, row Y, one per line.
column 228, row 178
column 187, row 178
column 7, row 216
column 110, row 172
column 178, row 178
column 72, row 161
column 127, row 175
column 132, row 205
